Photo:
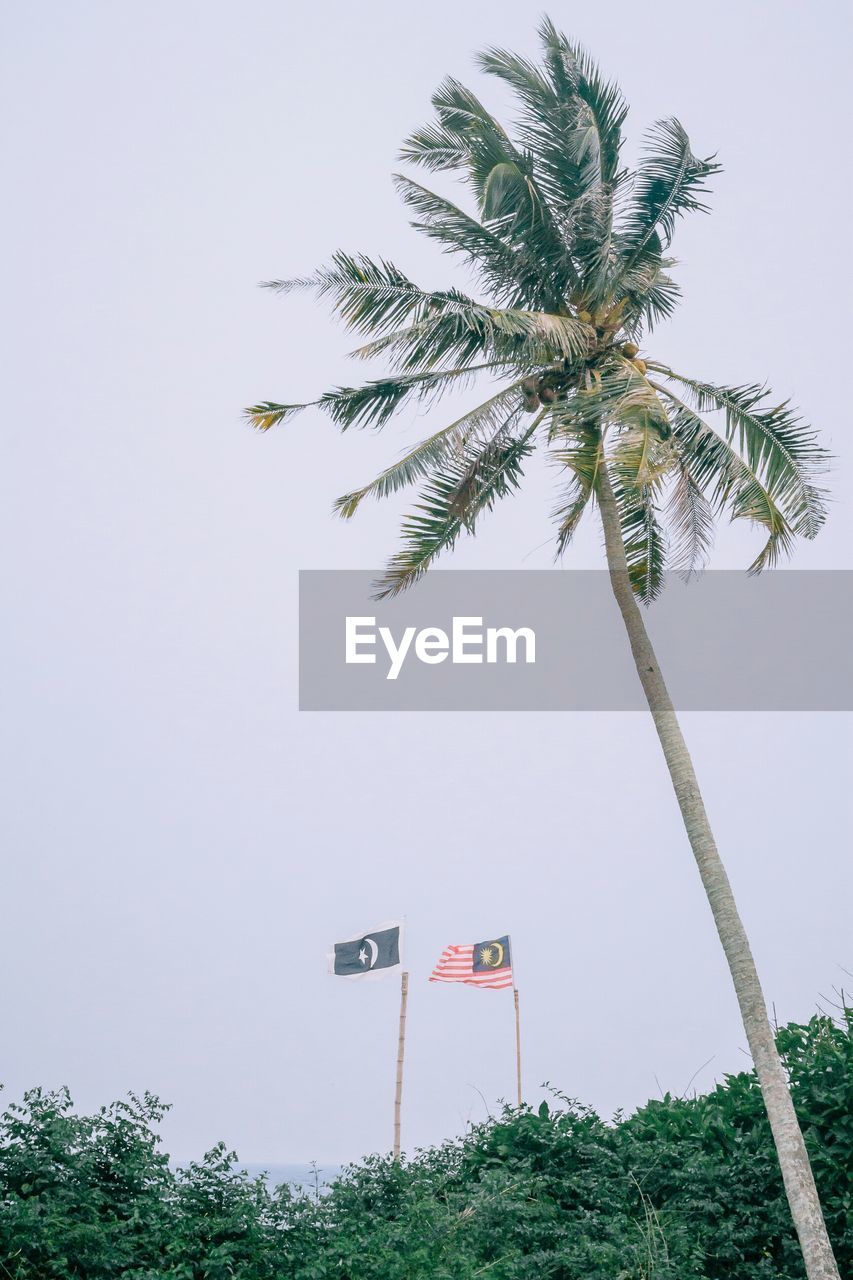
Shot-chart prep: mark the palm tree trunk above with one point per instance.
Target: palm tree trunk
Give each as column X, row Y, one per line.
column 793, row 1158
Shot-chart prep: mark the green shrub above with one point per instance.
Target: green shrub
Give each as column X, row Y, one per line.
column 681, row 1190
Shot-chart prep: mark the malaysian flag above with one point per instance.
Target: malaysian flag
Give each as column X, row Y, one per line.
column 479, row 964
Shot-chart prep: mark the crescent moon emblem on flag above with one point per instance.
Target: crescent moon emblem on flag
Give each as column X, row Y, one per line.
column 374, row 951
column 496, row 955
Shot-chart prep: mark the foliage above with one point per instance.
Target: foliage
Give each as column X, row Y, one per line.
column 684, row 1189
column 568, row 250
column 94, row 1197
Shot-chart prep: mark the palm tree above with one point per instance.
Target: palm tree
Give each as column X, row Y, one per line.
column 571, row 251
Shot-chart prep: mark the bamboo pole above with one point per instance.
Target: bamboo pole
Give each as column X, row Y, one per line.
column 401, row 1049
column 517, row 1043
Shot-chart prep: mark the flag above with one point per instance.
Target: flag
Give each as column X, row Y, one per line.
column 373, row 954
column 480, row 964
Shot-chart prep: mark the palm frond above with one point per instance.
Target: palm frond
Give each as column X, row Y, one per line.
column 471, row 426
column 546, row 128
column 505, row 189
column 434, row 148
column 571, row 125
column 593, row 246
column 482, row 140
column 442, row 341
column 645, row 545
column 522, row 218
column 641, row 454
column 465, row 329
column 613, row 393
column 376, row 402
column 652, row 295
column 595, row 146
column 371, row 297
column 668, row 182
column 574, row 72
column 467, row 485
column 689, row 518
column 370, row 405
column 729, row 482
column 595, row 400
column 639, row 406
column 581, row 455
column 776, row 444
column 512, row 275
column 486, row 144
column 269, row 414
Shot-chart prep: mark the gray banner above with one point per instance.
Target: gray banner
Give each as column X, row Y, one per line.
column 553, row 640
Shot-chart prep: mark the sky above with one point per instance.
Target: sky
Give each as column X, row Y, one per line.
column 180, row 843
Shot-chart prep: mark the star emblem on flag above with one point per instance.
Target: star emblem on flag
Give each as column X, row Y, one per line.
column 372, row 954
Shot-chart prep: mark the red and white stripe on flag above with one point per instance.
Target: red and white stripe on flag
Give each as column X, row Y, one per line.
column 456, row 964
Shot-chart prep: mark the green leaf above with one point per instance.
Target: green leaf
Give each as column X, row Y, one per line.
column 464, row 488
column 376, row 402
column 690, row 521
column 776, row 444
column 471, row 426
column 729, row 482
column 581, row 455
column 526, row 221
column 668, row 183
column 645, row 545
column 371, row 297
column 269, row 414
column 463, row 329
column 512, row 274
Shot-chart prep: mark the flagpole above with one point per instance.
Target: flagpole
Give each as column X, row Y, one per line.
column 517, row 1043
column 401, row 1049
column 517, row 1025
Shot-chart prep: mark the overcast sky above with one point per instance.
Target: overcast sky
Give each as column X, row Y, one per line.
column 181, row 844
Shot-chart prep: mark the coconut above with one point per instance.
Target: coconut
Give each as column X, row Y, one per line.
column 585, row 317
column 640, row 365
column 630, row 349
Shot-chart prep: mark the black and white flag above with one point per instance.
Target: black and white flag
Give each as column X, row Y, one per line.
column 373, row 954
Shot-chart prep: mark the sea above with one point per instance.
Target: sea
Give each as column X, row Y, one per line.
column 308, row 1177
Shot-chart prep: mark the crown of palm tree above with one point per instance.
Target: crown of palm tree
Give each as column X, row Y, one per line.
column 571, row 249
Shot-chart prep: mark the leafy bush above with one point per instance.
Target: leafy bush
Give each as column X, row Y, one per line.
column 682, row 1189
